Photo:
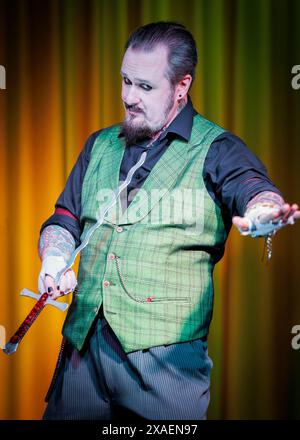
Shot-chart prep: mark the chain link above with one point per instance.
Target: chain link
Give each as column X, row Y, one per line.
column 124, row 286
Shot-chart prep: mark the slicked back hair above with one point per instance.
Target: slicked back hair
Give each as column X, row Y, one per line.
column 180, row 43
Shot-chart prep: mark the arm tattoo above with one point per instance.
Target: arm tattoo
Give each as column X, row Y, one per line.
column 56, row 241
column 266, row 198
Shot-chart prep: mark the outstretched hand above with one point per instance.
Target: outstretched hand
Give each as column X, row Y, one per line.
column 286, row 214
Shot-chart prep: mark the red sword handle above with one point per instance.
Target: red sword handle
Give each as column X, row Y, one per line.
column 26, row 324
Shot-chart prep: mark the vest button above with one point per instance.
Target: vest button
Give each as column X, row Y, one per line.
column 106, row 283
column 111, row 256
column 119, row 229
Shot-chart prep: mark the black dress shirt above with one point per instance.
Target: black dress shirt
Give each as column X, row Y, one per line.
column 233, row 175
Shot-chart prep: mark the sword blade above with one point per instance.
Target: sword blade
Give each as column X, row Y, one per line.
column 100, row 220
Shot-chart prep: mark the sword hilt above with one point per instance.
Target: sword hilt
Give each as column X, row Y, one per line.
column 59, row 305
column 10, row 348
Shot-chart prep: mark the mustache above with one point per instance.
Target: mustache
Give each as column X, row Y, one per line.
column 133, row 108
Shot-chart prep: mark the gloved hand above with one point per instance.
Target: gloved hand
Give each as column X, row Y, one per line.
column 263, row 220
column 51, row 266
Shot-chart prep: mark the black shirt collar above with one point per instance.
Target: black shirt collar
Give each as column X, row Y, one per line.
column 183, row 123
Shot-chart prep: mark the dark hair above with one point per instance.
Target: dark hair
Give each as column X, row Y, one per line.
column 182, row 50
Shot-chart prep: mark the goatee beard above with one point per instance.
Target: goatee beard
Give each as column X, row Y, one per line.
column 134, row 135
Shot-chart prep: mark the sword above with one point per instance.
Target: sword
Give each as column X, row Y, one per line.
column 45, row 298
column 42, row 300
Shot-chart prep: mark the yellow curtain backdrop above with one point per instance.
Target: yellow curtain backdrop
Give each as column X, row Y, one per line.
column 62, row 61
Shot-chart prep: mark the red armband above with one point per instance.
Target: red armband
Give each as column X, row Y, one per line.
column 62, row 211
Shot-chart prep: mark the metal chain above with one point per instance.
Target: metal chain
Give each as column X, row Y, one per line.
column 149, row 299
column 267, row 248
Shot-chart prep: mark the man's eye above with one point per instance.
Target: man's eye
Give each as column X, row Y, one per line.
column 146, row 87
column 127, row 81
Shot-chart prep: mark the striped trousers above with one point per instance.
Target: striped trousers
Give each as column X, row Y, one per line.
column 102, row 382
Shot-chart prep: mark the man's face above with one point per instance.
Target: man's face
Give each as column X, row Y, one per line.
column 148, row 96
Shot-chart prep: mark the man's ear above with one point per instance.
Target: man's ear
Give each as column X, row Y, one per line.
column 183, row 87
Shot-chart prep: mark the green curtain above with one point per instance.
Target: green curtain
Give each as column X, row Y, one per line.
column 62, row 61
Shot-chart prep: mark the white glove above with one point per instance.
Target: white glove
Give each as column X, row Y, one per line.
column 261, row 221
column 51, row 266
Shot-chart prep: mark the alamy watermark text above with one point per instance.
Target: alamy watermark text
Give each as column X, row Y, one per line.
column 296, row 77
column 2, row 77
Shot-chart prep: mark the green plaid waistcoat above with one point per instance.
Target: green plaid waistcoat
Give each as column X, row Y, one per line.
column 151, row 265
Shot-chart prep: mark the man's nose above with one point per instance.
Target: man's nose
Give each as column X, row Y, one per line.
column 131, row 96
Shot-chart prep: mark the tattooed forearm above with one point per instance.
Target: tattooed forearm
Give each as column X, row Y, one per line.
column 56, row 241
column 267, row 198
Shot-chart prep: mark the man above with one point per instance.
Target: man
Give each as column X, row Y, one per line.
column 135, row 338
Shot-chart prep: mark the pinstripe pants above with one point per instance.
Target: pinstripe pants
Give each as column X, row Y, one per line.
column 101, row 382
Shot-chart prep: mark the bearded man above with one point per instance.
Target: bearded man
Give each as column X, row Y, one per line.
column 135, row 338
